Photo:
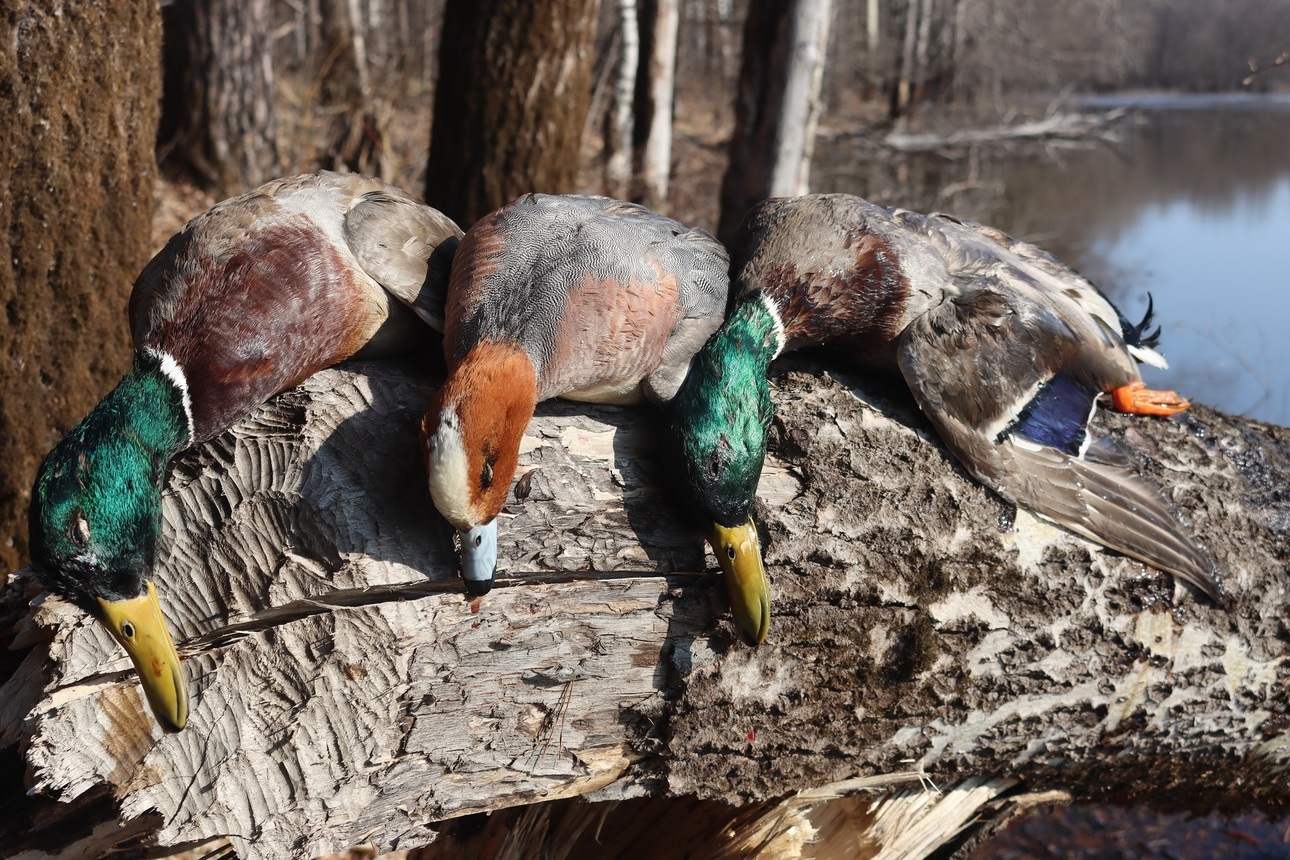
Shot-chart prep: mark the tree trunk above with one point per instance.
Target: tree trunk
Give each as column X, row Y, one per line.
column 217, row 118
column 904, row 96
column 510, row 102
column 660, row 71
column 923, row 632
column 800, row 114
column 618, row 128
column 80, row 85
column 778, row 98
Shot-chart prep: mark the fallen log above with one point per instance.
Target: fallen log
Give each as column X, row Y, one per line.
column 929, row 642
column 1080, row 127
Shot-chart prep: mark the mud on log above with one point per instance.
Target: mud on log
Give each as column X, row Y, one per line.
column 344, row 691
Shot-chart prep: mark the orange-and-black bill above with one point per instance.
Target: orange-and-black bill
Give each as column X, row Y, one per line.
column 137, row 623
column 738, row 551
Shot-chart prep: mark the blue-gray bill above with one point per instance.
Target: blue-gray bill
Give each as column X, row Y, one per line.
column 479, row 558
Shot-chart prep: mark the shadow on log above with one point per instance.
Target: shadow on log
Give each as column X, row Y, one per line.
column 925, row 634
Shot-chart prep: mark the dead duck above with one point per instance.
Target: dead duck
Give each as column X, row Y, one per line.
column 586, row 298
column 1005, row 349
column 249, row 299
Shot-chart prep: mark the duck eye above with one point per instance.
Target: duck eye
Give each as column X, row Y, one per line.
column 127, row 630
column 730, row 551
column 479, row 540
column 486, row 475
column 78, row 530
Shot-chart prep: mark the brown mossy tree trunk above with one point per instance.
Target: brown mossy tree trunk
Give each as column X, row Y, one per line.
column 78, row 91
column 931, row 647
column 510, row 102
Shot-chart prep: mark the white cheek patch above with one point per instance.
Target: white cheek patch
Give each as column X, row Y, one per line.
column 447, row 465
column 172, row 371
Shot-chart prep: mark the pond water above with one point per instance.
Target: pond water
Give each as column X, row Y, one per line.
column 1191, row 206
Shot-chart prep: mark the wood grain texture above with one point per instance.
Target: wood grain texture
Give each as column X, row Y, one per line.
column 344, row 691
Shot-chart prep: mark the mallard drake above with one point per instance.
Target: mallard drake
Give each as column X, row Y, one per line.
column 585, row 298
column 1005, row 349
column 247, row 300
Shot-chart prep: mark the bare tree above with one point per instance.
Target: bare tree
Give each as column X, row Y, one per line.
column 511, row 100
column 354, row 139
column 659, row 70
column 619, row 124
column 777, row 105
column 217, row 112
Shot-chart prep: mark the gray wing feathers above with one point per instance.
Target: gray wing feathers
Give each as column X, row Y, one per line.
column 1107, row 505
column 701, row 265
column 405, row 247
column 705, row 291
column 687, row 338
column 981, row 355
column 559, row 241
column 1041, row 270
column 971, row 381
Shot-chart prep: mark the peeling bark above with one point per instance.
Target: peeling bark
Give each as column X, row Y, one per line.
column 923, row 633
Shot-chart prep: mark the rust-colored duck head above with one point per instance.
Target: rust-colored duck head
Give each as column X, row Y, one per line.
column 471, row 440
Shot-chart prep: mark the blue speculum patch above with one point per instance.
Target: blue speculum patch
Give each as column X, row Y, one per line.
column 1058, row 415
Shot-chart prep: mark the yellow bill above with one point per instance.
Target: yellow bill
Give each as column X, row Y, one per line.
column 738, row 551
column 138, row 625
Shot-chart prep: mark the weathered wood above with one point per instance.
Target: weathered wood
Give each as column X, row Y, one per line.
column 345, row 692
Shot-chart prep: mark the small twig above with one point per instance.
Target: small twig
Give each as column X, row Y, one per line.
column 1256, row 69
column 552, row 728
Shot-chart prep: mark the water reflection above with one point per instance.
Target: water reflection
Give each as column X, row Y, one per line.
column 1193, row 207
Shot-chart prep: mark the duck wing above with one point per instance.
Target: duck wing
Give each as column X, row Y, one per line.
column 701, row 266
column 1009, row 376
column 1051, row 274
column 406, row 247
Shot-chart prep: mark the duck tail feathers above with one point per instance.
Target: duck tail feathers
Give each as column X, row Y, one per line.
column 1143, row 340
column 1110, row 506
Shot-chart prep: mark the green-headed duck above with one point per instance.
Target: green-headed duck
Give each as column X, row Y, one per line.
column 1005, row 349
column 247, row 300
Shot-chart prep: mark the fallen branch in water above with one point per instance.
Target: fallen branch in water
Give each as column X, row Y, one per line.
column 1080, row 126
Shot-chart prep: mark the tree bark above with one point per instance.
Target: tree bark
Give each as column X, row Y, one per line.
column 660, row 73
column 510, row 104
column 776, row 105
column 924, row 633
column 619, row 126
column 217, row 112
column 800, row 113
column 79, row 85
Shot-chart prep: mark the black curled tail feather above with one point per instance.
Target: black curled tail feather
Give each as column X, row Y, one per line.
column 1139, row 335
